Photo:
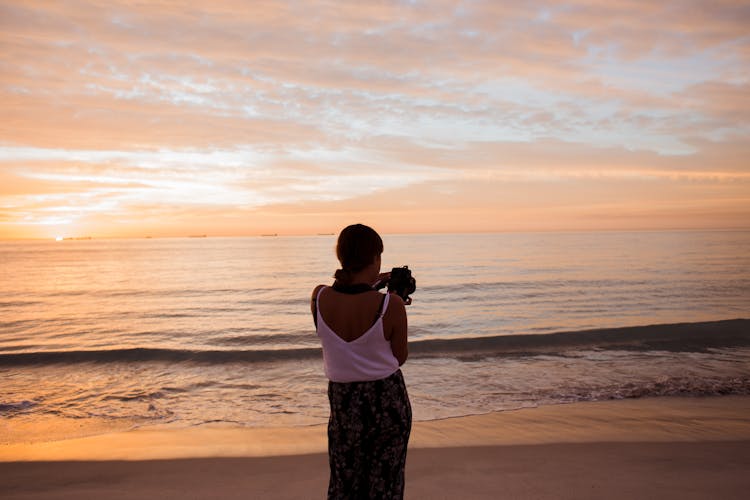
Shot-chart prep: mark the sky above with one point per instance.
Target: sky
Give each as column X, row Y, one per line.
column 125, row 118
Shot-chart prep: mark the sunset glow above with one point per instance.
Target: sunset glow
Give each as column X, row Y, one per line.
column 244, row 118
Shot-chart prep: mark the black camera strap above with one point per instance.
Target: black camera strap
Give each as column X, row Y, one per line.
column 352, row 289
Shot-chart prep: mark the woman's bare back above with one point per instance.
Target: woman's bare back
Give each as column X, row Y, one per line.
column 351, row 316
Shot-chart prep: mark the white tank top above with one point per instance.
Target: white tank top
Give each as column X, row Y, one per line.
column 368, row 357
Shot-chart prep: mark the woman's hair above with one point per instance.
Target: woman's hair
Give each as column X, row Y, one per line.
column 357, row 247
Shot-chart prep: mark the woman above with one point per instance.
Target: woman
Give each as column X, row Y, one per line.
column 364, row 339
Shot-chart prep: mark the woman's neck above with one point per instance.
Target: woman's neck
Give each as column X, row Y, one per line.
column 366, row 276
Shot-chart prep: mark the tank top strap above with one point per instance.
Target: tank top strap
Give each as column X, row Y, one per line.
column 385, row 305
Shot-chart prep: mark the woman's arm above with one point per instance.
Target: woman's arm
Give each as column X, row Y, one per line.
column 396, row 314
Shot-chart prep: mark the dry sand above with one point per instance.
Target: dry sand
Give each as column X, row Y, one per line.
column 682, row 448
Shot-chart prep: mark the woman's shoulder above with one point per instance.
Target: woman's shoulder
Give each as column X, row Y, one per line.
column 316, row 291
column 396, row 305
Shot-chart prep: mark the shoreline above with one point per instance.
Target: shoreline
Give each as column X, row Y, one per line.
column 658, row 419
column 666, row 448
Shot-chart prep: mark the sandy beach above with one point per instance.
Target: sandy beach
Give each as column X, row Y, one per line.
column 640, row 448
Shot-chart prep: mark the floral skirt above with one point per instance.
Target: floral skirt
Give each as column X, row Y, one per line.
column 368, row 433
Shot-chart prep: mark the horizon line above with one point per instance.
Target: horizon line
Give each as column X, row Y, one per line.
column 319, row 234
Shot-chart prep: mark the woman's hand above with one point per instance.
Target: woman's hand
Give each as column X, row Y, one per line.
column 382, row 281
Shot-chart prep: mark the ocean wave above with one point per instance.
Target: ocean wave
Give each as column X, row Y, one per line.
column 18, row 407
column 19, row 303
column 544, row 285
column 138, row 396
column 666, row 386
column 678, row 337
column 144, row 354
column 681, row 337
column 4, row 325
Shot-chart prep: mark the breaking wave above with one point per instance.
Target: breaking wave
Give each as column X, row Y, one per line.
column 681, row 337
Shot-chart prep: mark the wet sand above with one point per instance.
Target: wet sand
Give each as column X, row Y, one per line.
column 643, row 448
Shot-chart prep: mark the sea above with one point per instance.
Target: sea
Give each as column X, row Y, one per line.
column 193, row 331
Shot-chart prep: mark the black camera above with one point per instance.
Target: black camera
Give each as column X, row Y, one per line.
column 402, row 282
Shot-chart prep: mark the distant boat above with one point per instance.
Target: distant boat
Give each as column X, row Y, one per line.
column 197, row 236
column 270, row 235
column 325, row 234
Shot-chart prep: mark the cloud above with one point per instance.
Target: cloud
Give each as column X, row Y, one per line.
column 121, row 106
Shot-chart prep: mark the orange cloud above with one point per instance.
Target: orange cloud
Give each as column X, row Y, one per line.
column 242, row 118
